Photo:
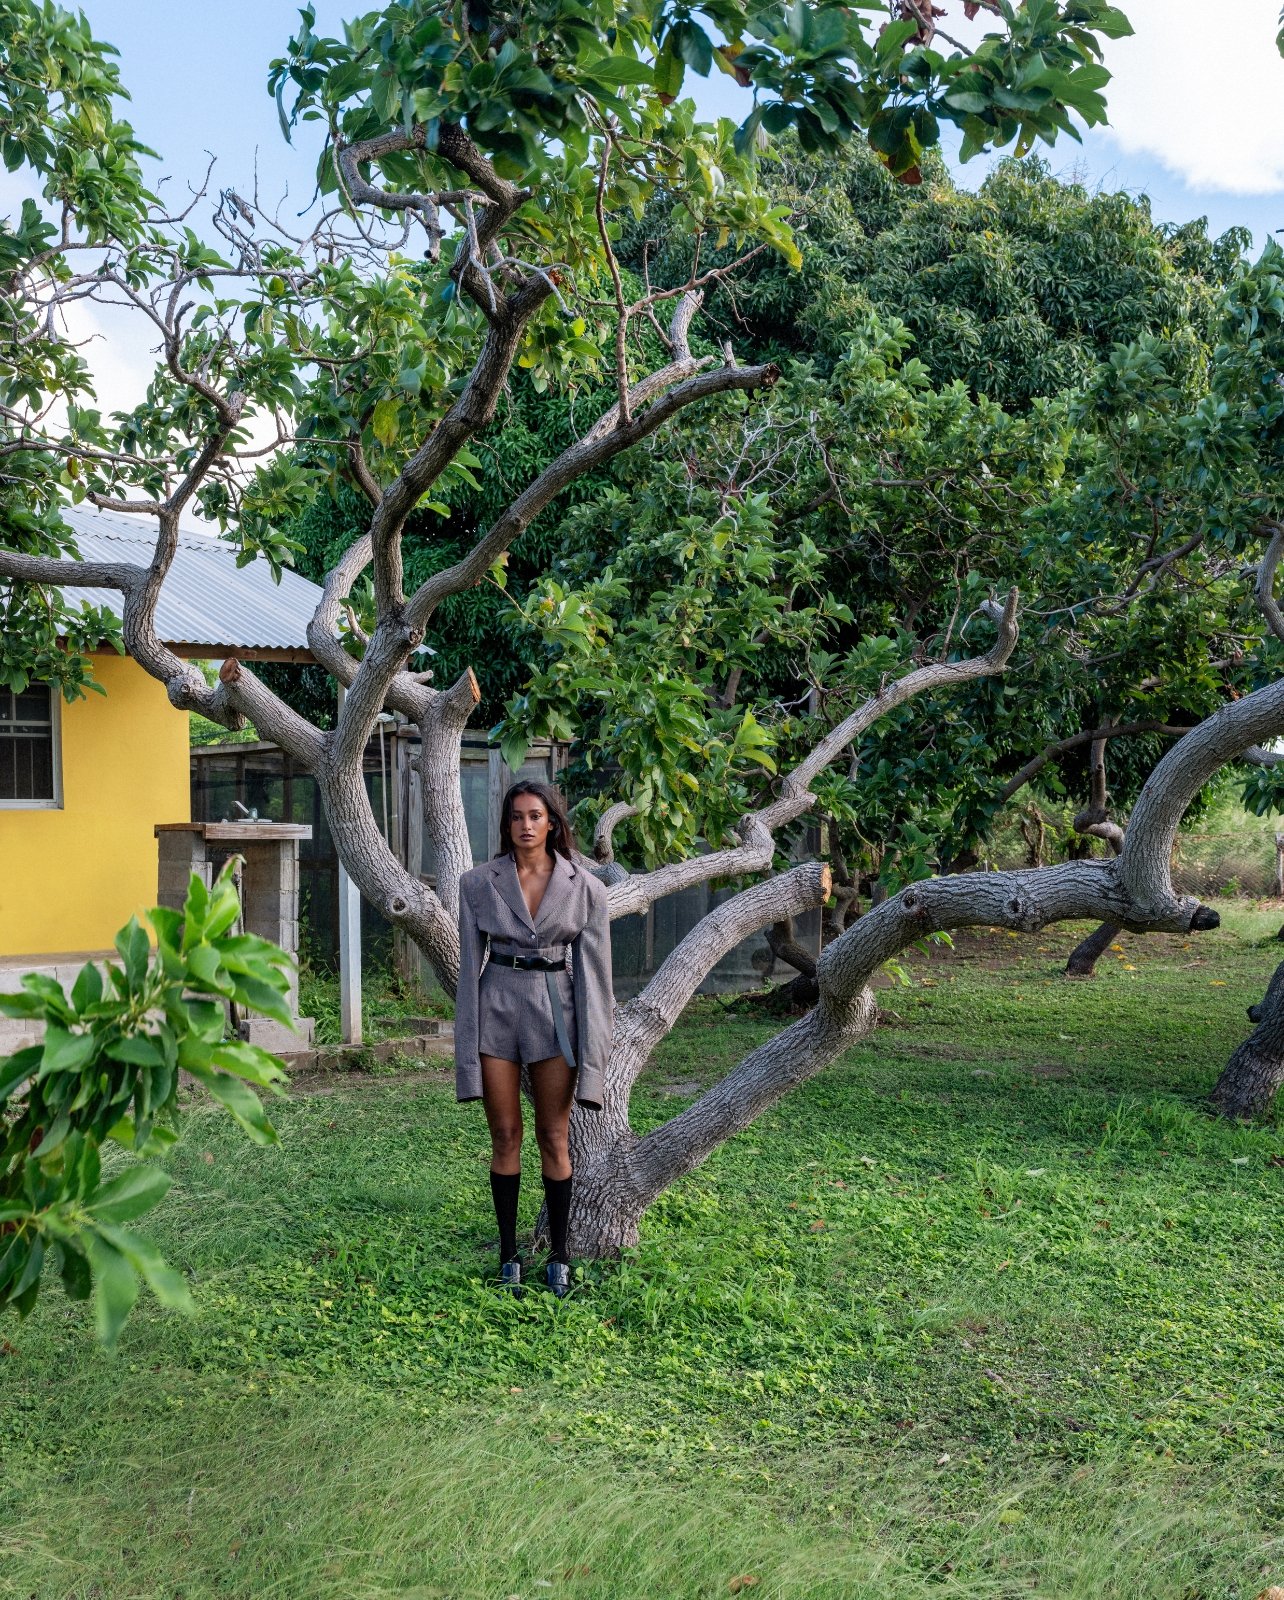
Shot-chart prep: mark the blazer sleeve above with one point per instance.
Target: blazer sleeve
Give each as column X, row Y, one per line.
column 468, row 1082
column 594, row 997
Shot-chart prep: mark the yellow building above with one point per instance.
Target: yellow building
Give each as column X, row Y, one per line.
column 83, row 785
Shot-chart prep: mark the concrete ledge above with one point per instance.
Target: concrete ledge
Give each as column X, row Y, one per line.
column 277, row 1038
column 433, row 1048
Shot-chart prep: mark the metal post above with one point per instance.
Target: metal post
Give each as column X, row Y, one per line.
column 349, row 952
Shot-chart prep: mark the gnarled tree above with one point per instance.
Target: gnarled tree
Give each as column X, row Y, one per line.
column 500, row 145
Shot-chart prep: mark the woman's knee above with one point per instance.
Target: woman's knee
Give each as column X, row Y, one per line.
column 552, row 1140
column 506, row 1136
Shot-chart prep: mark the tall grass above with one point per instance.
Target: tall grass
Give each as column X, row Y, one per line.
column 332, row 1497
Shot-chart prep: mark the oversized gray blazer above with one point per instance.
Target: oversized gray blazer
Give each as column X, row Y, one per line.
column 573, row 911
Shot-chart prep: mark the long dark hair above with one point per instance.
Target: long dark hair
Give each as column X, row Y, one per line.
column 560, row 838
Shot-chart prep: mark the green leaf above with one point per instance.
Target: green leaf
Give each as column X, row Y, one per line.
column 30, row 1274
column 264, row 997
column 138, row 1050
column 250, row 1062
column 207, row 970
column 694, row 47
column 383, row 422
column 88, row 987
column 135, row 951
column 241, row 1101
column 619, row 70
column 1111, row 21
column 73, row 1268
column 65, row 1052
column 24, row 1004
column 115, row 1290
column 135, row 1191
column 513, row 747
column 16, row 1069
column 166, row 1283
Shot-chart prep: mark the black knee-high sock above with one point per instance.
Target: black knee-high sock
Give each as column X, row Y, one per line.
column 557, row 1197
column 503, row 1191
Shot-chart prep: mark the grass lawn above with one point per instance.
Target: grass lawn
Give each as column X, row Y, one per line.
column 991, row 1309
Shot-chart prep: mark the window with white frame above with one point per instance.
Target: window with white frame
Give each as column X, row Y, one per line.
column 30, row 775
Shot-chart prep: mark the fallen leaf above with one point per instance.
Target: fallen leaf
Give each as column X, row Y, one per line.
column 745, row 1580
column 817, row 1225
column 1275, row 1592
column 1010, row 1516
column 1003, row 1266
column 1217, row 983
column 208, row 1158
column 943, row 1460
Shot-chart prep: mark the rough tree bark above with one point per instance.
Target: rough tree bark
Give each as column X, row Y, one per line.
column 1252, row 1076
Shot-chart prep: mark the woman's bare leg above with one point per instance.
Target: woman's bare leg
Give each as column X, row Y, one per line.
column 553, row 1089
column 502, row 1100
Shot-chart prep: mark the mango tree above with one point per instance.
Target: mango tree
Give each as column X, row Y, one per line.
column 477, row 162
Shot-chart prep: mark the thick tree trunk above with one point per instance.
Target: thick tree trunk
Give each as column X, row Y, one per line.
column 1248, row 1085
column 1084, row 957
column 606, row 1206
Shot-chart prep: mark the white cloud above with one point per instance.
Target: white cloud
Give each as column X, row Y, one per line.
column 1200, row 89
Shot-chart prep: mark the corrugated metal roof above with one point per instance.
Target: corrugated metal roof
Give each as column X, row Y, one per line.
column 206, row 599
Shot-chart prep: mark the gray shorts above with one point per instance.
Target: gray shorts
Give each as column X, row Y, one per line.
column 515, row 1018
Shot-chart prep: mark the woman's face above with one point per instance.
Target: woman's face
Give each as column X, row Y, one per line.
column 531, row 824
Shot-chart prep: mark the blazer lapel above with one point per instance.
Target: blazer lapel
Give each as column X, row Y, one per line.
column 504, row 876
column 558, row 889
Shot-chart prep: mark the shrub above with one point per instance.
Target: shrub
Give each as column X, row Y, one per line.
column 108, row 1069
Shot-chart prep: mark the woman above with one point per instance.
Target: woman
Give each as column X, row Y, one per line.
column 519, row 1006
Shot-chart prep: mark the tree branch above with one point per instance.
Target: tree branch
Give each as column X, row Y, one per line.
column 1086, row 736
column 645, row 1020
column 755, row 846
column 1265, row 588
column 595, row 448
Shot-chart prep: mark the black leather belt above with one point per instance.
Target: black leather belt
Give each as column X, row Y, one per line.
column 529, row 963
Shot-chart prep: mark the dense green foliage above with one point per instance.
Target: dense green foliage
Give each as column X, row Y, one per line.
column 808, row 545
column 106, row 1070
column 1018, row 288
column 1011, row 1307
column 358, row 345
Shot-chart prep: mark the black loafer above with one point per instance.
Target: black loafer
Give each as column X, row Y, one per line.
column 510, row 1278
column 558, row 1277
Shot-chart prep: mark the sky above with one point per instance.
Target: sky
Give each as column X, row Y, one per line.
column 1196, row 108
